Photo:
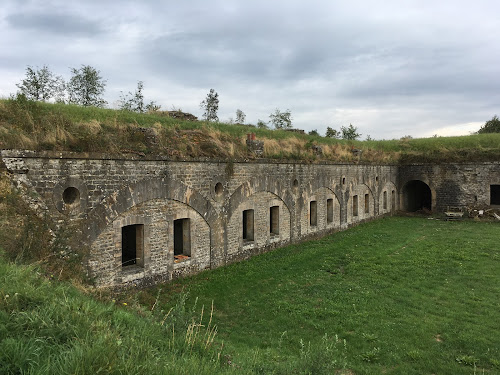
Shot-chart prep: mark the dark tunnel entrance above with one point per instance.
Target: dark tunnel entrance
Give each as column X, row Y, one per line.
column 417, row 196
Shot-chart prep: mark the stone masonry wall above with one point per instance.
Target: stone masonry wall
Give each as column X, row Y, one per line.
column 458, row 185
column 102, row 195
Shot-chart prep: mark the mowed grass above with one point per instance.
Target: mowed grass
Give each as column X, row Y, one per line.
column 398, row 295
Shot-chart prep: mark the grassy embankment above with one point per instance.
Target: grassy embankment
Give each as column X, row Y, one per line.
column 394, row 296
column 42, row 126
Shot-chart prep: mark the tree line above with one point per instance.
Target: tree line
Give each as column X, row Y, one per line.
column 86, row 87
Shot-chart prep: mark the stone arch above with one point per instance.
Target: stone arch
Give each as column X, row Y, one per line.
column 250, row 226
column 142, row 191
column 388, row 202
column 262, row 184
column 357, row 209
column 241, row 200
column 417, row 195
column 320, row 195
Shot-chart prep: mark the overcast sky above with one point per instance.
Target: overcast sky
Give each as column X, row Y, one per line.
column 391, row 68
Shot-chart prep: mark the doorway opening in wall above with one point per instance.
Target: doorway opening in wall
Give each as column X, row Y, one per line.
column 417, row 196
column 355, row 205
column 393, row 200
column 313, row 211
column 182, row 240
column 495, row 195
column 274, row 220
column 384, row 201
column 367, row 203
column 133, row 245
column 329, row 211
column 248, row 225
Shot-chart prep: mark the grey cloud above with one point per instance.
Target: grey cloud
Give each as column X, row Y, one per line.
column 387, row 67
column 55, row 23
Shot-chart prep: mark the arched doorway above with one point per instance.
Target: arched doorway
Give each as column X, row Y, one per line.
column 417, row 196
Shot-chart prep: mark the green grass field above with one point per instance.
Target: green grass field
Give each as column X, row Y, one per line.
column 407, row 295
column 399, row 295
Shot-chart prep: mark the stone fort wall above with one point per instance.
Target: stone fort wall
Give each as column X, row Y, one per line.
column 152, row 219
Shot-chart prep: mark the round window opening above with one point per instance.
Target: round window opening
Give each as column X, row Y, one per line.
column 218, row 188
column 71, row 195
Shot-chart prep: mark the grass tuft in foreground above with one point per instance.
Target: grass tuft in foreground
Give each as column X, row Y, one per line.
column 48, row 327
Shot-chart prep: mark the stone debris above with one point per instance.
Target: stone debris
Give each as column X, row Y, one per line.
column 254, row 146
column 483, row 213
column 318, row 150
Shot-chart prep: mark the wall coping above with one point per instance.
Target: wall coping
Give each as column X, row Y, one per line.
column 137, row 156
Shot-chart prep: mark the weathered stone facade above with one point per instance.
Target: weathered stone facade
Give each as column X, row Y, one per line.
column 164, row 219
column 457, row 185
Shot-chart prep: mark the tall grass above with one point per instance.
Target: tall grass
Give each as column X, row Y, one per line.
column 48, row 327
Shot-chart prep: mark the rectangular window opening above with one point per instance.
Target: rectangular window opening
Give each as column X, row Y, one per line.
column 248, row 225
column 182, row 239
column 367, row 203
column 329, row 211
column 133, row 245
column 393, row 200
column 313, row 218
column 494, row 194
column 355, row 205
column 385, row 200
column 274, row 220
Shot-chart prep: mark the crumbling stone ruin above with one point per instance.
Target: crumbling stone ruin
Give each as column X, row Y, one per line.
column 146, row 220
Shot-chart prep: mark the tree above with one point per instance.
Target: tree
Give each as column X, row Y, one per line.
column 240, row 116
column 42, row 84
column 210, row 106
column 152, row 106
column 491, row 126
column 314, row 132
column 135, row 102
column 86, row 86
column 332, row 133
column 281, row 120
column 350, row 133
column 261, row 124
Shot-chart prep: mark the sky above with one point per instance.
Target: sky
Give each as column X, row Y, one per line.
column 391, row 68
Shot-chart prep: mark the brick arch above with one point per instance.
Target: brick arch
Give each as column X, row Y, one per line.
column 257, row 185
column 329, row 189
column 387, row 186
column 369, row 188
column 316, row 192
column 349, row 192
column 142, row 191
column 417, row 177
column 321, row 182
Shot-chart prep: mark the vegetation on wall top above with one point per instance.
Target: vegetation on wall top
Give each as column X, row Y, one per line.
column 37, row 125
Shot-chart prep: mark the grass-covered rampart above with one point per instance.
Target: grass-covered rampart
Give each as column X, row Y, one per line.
column 43, row 126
